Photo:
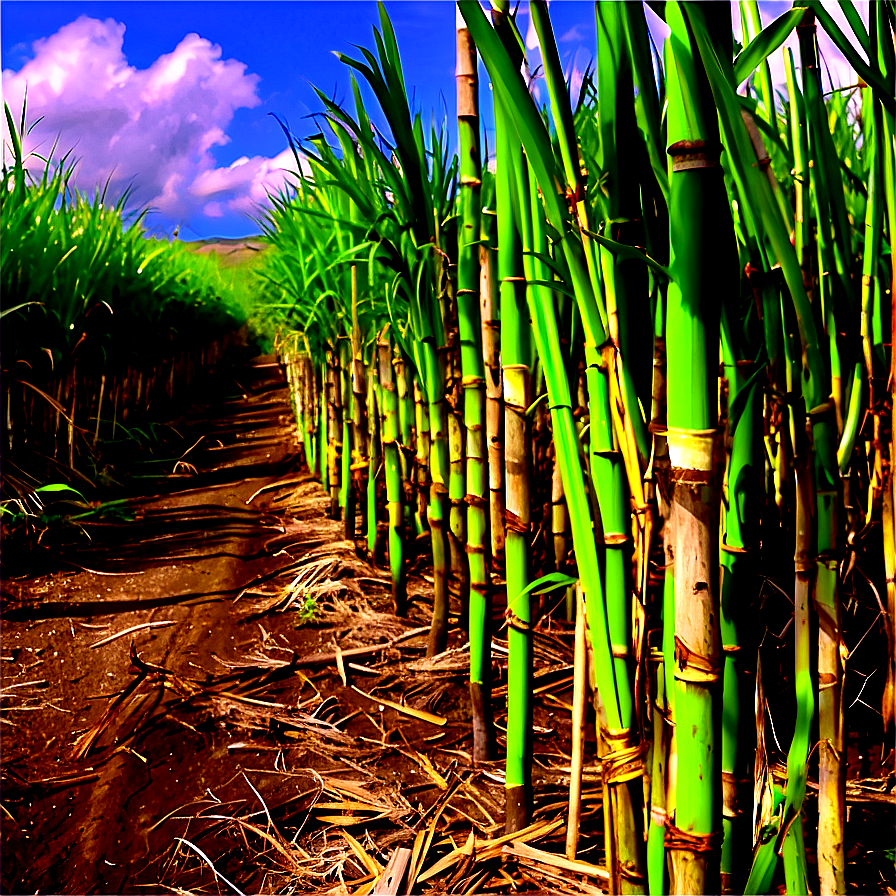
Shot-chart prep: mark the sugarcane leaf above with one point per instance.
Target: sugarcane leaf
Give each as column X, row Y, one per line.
column 547, row 583
column 765, row 43
column 556, row 285
column 17, row 307
column 525, row 118
column 632, row 253
column 851, row 14
column 765, row 861
column 871, row 76
column 56, row 488
column 743, row 396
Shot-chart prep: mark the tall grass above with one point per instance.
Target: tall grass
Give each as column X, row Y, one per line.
column 99, row 322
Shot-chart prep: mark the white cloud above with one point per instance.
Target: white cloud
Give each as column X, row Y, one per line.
column 152, row 128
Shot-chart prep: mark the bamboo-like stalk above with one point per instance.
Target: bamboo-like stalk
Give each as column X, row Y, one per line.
column 375, row 456
column 438, row 492
column 473, row 372
column 311, row 445
column 698, row 256
column 738, row 584
column 579, row 702
column 359, row 458
column 421, row 458
column 322, row 379
column 394, row 491
column 494, row 387
column 831, row 852
column 334, row 431
column 517, row 377
column 347, row 494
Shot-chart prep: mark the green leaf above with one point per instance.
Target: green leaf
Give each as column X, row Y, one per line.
column 59, row 487
column 632, row 253
column 765, row 43
column 547, row 583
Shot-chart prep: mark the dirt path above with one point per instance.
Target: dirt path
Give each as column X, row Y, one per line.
column 222, row 730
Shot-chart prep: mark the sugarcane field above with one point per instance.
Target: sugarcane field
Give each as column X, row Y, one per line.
column 504, row 503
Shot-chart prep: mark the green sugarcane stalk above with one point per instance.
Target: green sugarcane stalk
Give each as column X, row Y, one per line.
column 310, row 411
column 323, row 439
column 473, row 371
column 831, row 758
column 359, row 459
column 421, row 458
column 374, row 462
column 516, row 357
column 392, row 463
column 334, row 431
column 438, row 492
column 699, row 223
column 609, row 478
column 407, row 434
column 346, row 491
column 530, row 130
column 457, row 489
column 738, row 585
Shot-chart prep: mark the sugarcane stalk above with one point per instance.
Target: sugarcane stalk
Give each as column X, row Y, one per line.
column 698, row 256
column 346, row 400
column 494, row 387
column 421, row 458
column 359, row 458
column 334, row 431
column 577, row 750
column 391, row 459
column 375, row 453
column 438, row 492
column 473, row 372
column 738, row 585
column 517, row 377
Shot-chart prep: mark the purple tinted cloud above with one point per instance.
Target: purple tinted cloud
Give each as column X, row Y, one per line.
column 152, row 129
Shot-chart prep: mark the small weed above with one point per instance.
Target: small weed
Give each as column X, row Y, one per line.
column 307, row 609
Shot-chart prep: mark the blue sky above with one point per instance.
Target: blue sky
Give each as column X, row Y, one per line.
column 173, row 98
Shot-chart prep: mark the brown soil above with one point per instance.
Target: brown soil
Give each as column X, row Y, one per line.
column 228, row 734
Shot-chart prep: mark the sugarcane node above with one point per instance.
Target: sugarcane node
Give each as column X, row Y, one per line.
column 730, row 787
column 731, row 648
column 626, row 764
column 691, row 841
column 692, row 477
column 512, row 523
column 472, row 382
column 658, row 816
column 477, row 501
column 513, row 621
column 692, row 154
column 694, row 667
column 733, row 549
